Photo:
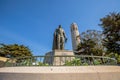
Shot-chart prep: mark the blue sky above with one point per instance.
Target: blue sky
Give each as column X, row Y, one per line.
column 32, row 22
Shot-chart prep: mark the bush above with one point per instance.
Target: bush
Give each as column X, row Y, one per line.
column 74, row 62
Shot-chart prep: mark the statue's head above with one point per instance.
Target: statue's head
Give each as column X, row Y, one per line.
column 60, row 26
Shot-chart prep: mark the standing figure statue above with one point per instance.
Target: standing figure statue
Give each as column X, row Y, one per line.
column 59, row 39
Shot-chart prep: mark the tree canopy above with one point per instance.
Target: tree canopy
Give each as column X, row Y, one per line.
column 14, row 50
column 91, row 43
column 111, row 29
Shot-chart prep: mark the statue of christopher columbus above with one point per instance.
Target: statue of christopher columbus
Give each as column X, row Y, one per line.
column 59, row 39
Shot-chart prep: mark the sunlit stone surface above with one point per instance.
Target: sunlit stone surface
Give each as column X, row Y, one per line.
column 61, row 73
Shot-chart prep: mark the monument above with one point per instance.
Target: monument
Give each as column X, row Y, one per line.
column 32, row 72
column 59, row 39
column 58, row 49
column 75, row 36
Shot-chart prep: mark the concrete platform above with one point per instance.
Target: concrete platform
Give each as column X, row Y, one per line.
column 61, row 73
column 58, row 60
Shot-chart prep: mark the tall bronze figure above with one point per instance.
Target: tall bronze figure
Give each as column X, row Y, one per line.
column 59, row 39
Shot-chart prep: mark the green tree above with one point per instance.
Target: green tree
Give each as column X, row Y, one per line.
column 111, row 29
column 14, row 50
column 91, row 43
column 86, row 46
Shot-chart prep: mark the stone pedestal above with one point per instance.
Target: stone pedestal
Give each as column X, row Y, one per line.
column 58, row 57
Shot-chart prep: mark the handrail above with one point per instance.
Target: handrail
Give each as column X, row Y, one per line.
column 58, row 60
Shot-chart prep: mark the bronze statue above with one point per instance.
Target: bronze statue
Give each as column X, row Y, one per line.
column 59, row 39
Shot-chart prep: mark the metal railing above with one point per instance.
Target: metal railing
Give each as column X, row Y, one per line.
column 76, row 60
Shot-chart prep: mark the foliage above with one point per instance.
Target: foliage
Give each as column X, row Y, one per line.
column 91, row 43
column 78, row 62
column 29, row 63
column 116, row 56
column 90, row 61
column 14, row 50
column 75, row 62
column 97, row 62
column 87, row 47
column 111, row 29
column 42, row 64
column 93, row 35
